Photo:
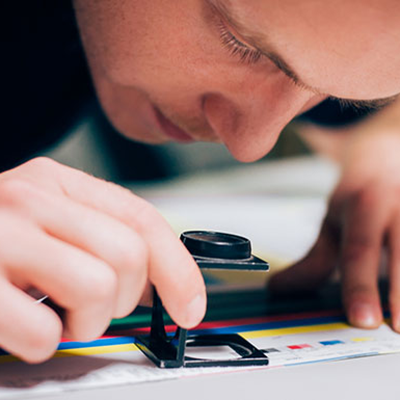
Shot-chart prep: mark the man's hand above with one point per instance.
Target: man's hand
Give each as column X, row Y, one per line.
column 363, row 216
column 94, row 248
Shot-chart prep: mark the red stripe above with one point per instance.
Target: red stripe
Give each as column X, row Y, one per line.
column 299, row 346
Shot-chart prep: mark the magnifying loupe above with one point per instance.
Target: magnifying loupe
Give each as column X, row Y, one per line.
column 210, row 250
column 219, row 250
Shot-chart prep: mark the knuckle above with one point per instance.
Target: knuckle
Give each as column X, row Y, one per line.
column 102, row 286
column 137, row 211
column 143, row 214
column 15, row 191
column 42, row 163
column 132, row 253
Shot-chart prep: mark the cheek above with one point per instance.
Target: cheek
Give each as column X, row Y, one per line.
column 136, row 42
column 110, row 31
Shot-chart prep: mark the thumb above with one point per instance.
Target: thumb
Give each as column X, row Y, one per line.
column 314, row 269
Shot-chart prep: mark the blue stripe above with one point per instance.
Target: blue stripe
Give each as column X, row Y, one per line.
column 97, row 343
column 331, row 342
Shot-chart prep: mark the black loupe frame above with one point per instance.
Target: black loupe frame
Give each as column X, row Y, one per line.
column 210, row 250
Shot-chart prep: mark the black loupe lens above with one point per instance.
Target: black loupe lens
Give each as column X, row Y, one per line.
column 216, row 245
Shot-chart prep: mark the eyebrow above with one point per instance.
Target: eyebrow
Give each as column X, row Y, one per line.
column 266, row 49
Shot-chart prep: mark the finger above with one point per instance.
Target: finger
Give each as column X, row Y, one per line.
column 365, row 220
column 95, row 232
column 28, row 330
column 314, row 269
column 80, row 283
column 171, row 268
column 394, row 272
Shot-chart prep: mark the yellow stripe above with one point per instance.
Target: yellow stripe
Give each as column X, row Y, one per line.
column 362, row 339
column 83, row 351
column 89, row 351
column 295, row 330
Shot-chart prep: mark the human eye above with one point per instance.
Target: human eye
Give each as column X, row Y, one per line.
column 245, row 53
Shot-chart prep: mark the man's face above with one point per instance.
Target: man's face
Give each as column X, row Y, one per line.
column 235, row 71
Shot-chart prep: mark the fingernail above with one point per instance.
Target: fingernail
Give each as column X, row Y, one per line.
column 195, row 311
column 362, row 315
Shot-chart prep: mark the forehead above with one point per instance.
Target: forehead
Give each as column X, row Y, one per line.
column 348, row 49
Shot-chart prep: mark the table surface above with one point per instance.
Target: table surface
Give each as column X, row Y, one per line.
column 364, row 378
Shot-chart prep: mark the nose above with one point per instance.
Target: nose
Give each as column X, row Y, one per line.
column 249, row 119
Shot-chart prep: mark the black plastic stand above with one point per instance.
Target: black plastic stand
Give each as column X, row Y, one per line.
column 170, row 352
column 212, row 250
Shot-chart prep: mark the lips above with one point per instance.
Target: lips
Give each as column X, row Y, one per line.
column 170, row 129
